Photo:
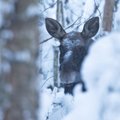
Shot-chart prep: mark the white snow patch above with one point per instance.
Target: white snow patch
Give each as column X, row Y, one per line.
column 46, row 101
column 70, row 44
column 6, row 7
column 22, row 56
column 88, row 8
column 101, row 72
column 67, row 55
column 102, row 61
column 32, row 10
column 6, row 34
column 5, row 67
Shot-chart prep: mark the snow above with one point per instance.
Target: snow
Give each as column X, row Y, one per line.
column 67, row 55
column 32, row 10
column 69, row 44
column 6, row 7
column 88, row 12
column 72, row 11
column 105, row 64
column 100, row 69
column 5, row 67
column 54, row 104
column 21, row 56
column 46, row 101
column 85, row 107
column 6, row 34
column 117, row 19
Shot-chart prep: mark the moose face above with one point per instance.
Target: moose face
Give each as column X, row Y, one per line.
column 73, row 47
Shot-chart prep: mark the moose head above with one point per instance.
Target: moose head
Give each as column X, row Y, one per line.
column 73, row 49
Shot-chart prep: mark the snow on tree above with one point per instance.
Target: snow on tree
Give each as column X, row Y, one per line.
column 92, row 104
column 101, row 72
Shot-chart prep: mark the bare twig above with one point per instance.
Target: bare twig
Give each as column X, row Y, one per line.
column 96, row 9
column 73, row 23
column 46, row 40
column 46, row 81
column 48, row 7
column 65, row 29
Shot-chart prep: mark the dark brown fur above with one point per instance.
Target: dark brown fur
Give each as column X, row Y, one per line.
column 73, row 49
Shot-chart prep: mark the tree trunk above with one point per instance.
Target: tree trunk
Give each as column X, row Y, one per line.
column 60, row 19
column 22, row 50
column 108, row 15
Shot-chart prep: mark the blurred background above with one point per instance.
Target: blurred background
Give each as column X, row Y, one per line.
column 29, row 61
column 19, row 47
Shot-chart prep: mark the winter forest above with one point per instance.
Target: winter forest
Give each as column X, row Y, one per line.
column 59, row 59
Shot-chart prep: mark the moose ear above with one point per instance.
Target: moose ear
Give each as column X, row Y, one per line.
column 54, row 28
column 91, row 27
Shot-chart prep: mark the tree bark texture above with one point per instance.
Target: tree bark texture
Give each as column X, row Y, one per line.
column 21, row 80
column 108, row 15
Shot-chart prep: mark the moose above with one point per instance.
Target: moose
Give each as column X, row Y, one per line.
column 73, row 48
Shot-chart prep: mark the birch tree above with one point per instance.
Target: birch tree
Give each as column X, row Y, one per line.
column 60, row 18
